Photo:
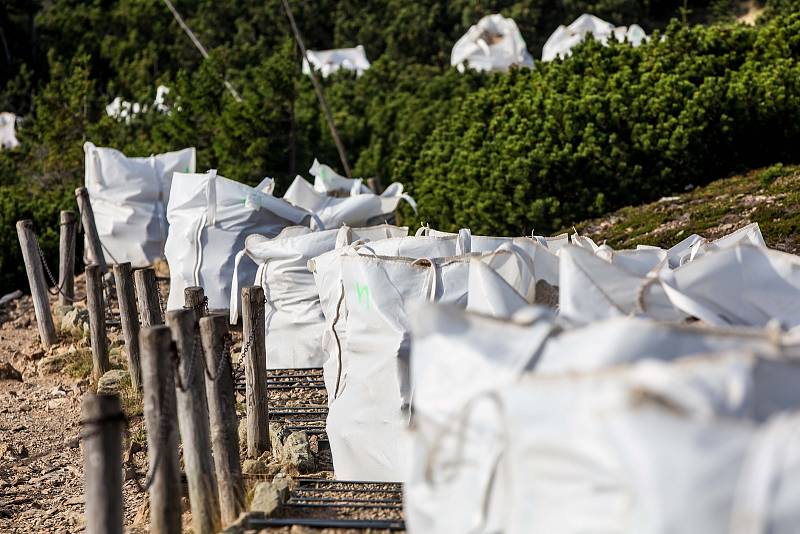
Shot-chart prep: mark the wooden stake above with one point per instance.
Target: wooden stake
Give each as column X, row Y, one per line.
column 66, row 258
column 375, row 185
column 194, row 299
column 97, row 320
column 102, row 421
column 37, row 283
column 147, row 294
column 255, row 371
column 158, row 357
column 95, row 248
column 193, row 422
column 223, row 420
column 129, row 317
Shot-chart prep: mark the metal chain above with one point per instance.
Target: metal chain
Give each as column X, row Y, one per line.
column 238, row 371
column 56, row 286
column 185, row 384
column 164, row 429
column 225, row 356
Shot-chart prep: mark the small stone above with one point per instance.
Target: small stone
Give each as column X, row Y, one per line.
column 75, row 322
column 113, row 381
column 267, row 497
column 297, row 453
column 8, row 372
column 35, row 354
column 58, row 391
column 254, row 467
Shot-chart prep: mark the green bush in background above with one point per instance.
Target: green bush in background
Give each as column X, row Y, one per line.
column 498, row 153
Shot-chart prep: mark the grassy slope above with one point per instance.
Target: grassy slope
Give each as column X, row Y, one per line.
column 770, row 197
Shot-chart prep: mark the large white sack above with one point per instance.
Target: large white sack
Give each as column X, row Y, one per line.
column 327, row 270
column 593, row 288
column 493, row 44
column 742, row 285
column 565, row 38
column 329, row 61
column 694, row 246
column 655, row 448
column 129, row 198
column 210, row 216
column 623, row 340
column 369, row 409
column 362, row 209
column 294, row 320
column 8, row 134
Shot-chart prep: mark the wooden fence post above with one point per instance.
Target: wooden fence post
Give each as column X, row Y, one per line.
column 194, row 299
column 37, row 282
column 97, row 320
column 147, row 294
column 375, row 185
column 193, row 422
column 223, row 420
column 102, row 421
column 162, row 434
column 129, row 317
column 95, row 248
column 66, row 258
column 255, row 371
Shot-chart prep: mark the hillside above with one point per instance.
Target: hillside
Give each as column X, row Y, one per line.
column 767, row 196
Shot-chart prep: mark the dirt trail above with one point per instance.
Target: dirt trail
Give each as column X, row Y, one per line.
column 41, row 463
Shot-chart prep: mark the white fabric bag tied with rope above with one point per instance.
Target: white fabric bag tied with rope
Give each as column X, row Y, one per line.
column 655, row 448
column 456, row 356
column 210, row 217
column 360, row 206
column 701, row 444
column 129, row 198
column 327, row 269
column 593, row 288
column 624, row 340
column 368, row 411
column 294, row 319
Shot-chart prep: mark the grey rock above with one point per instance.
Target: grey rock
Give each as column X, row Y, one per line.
column 113, row 381
column 277, row 437
column 268, row 497
column 297, row 453
column 75, row 322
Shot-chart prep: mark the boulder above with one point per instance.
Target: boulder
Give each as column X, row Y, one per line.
column 113, row 381
column 297, row 453
column 268, row 496
column 75, row 322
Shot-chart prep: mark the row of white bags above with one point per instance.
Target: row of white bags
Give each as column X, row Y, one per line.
column 624, row 426
column 148, row 207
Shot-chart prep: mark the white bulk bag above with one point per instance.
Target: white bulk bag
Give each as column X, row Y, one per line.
column 294, row 321
column 357, row 210
column 369, row 409
column 327, row 269
column 591, row 288
column 645, row 454
column 329, row 61
column 623, row 340
column 209, row 218
column 565, row 38
column 743, row 285
column 8, row 134
column 653, row 448
column 494, row 44
column 129, row 198
column 695, row 246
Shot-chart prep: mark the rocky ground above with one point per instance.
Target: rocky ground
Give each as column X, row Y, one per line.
column 41, row 462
